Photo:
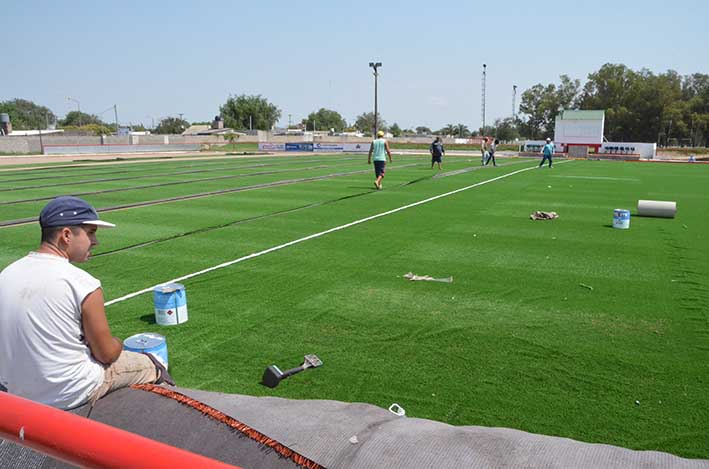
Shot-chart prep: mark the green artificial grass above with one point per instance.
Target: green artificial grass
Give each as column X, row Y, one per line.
column 565, row 327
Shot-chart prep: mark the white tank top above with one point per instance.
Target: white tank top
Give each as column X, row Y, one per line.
column 43, row 355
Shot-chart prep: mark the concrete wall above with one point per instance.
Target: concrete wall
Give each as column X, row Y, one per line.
column 31, row 144
column 15, row 145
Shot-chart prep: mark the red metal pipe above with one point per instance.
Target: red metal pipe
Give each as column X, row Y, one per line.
column 88, row 443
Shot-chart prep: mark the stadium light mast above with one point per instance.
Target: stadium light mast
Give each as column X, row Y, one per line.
column 483, row 98
column 78, row 107
column 514, row 102
column 375, row 66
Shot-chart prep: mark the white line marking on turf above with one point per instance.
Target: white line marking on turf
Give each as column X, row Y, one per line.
column 598, row 177
column 317, row 235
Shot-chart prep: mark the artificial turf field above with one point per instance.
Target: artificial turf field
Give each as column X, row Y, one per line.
column 565, row 327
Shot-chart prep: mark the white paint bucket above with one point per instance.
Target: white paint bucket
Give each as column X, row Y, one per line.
column 147, row 342
column 621, row 219
column 170, row 302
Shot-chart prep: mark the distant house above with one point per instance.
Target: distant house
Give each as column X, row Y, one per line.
column 196, row 129
column 216, row 128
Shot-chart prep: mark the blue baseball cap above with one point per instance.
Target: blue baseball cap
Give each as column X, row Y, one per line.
column 70, row 211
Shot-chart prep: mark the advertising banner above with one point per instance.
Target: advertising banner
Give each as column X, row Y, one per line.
column 327, row 147
column 355, row 147
column 265, row 146
column 299, row 147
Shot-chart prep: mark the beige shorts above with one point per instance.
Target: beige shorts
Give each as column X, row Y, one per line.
column 130, row 368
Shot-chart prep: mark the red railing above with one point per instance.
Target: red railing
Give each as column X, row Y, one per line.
column 87, row 443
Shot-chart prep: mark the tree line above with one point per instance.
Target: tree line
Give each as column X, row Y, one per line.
column 639, row 106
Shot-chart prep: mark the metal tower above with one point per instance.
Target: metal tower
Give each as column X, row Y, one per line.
column 483, row 99
column 514, row 102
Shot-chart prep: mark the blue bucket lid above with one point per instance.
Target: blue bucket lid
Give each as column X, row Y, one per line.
column 169, row 288
column 146, row 340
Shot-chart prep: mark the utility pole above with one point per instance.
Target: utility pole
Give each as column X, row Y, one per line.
column 514, row 104
column 115, row 114
column 78, row 106
column 375, row 66
column 483, row 99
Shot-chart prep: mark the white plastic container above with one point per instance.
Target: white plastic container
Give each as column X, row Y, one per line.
column 170, row 302
column 147, row 342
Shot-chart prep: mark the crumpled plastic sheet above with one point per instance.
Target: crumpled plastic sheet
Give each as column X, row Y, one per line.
column 540, row 215
column 427, row 278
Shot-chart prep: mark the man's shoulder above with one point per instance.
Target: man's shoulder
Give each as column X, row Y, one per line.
column 43, row 266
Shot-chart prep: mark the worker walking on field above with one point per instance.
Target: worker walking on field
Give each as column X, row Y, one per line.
column 380, row 149
column 547, row 152
column 437, row 151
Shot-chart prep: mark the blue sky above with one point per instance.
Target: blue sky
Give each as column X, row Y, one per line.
column 155, row 59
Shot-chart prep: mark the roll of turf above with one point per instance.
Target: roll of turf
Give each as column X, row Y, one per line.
column 657, row 208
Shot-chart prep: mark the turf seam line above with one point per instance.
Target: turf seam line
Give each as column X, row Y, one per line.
column 265, row 185
column 232, row 223
column 317, row 235
column 164, row 184
column 209, row 167
column 254, row 218
column 125, row 178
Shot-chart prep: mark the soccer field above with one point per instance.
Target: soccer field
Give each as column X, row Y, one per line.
column 563, row 327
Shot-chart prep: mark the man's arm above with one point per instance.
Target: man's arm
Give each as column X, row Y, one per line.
column 104, row 347
column 369, row 157
column 386, row 145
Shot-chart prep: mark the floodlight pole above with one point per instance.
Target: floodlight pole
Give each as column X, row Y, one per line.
column 115, row 114
column 375, row 66
column 483, row 97
column 78, row 107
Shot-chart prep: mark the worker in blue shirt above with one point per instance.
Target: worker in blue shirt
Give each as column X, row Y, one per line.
column 547, row 152
column 380, row 149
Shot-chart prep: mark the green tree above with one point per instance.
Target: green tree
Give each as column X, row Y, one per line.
column 395, row 130
column 506, row 129
column 26, row 115
column 78, row 119
column 171, row 125
column 449, row 129
column 541, row 104
column 244, row 112
column 423, row 130
column 365, row 123
column 325, row 119
column 462, row 131
column 231, row 137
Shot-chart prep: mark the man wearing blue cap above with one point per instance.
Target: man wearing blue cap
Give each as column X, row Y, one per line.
column 55, row 343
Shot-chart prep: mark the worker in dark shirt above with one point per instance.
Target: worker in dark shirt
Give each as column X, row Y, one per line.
column 437, row 151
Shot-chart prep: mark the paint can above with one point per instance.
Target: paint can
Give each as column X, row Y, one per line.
column 170, row 302
column 147, row 342
column 621, row 219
